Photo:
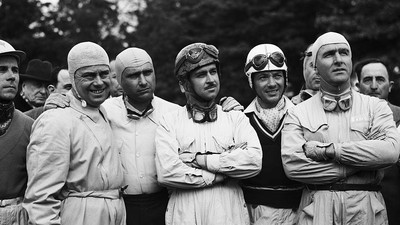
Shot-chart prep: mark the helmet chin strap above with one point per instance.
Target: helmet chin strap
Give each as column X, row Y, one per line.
column 199, row 109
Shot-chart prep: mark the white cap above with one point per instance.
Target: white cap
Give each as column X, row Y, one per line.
column 131, row 57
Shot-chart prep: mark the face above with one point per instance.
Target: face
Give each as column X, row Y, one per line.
column 93, row 84
column 139, row 83
column 269, row 87
column 63, row 82
column 374, row 80
column 310, row 75
column 115, row 88
column 9, row 78
column 334, row 63
column 205, row 82
column 35, row 92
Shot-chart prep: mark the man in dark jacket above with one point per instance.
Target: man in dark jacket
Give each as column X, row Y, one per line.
column 15, row 129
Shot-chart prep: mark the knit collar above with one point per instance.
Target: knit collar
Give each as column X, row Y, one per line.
column 6, row 115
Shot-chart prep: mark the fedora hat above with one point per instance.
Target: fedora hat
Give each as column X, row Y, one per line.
column 38, row 70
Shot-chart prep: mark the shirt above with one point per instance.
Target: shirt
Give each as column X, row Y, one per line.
column 136, row 144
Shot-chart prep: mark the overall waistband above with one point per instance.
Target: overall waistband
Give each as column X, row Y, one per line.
column 345, row 187
column 110, row 194
column 11, row 201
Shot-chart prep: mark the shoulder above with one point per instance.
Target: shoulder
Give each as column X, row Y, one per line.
column 164, row 105
column 28, row 121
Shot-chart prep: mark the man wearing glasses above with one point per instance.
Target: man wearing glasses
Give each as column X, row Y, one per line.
column 271, row 197
column 338, row 143
column 74, row 170
column 202, row 151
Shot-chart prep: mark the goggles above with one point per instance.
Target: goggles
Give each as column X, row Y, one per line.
column 329, row 103
column 261, row 60
column 201, row 115
column 195, row 55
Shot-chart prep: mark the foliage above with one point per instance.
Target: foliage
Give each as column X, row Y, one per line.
column 233, row 26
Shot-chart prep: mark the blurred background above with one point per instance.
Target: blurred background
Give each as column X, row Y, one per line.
column 48, row 29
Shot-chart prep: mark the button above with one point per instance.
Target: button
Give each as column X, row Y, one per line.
column 138, row 154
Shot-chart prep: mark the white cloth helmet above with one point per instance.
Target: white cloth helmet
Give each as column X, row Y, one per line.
column 265, row 57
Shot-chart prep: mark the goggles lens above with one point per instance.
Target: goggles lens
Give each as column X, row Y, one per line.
column 261, row 60
column 195, row 55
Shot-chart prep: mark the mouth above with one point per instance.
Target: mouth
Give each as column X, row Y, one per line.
column 12, row 87
column 143, row 91
column 97, row 91
column 340, row 70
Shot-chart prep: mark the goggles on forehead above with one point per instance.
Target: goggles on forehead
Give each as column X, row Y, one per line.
column 261, row 60
column 195, row 54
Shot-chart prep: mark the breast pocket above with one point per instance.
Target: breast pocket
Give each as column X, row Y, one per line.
column 360, row 130
column 319, row 133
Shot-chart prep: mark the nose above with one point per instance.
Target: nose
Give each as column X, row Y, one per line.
column 210, row 77
column 374, row 84
column 98, row 80
column 142, row 80
column 11, row 75
column 271, row 82
column 338, row 57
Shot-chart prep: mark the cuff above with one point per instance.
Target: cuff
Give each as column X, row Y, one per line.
column 208, row 177
column 213, row 163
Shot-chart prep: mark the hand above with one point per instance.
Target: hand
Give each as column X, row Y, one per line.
column 316, row 150
column 189, row 158
column 218, row 178
column 229, row 103
column 56, row 100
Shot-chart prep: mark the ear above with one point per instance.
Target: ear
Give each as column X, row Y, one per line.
column 390, row 85
column 181, row 87
column 51, row 88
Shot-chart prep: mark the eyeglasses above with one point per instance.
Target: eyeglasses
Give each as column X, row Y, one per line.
column 195, row 55
column 261, row 60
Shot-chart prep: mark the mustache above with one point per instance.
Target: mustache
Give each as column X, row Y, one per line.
column 211, row 85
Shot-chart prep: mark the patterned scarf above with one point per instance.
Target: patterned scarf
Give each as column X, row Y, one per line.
column 271, row 117
column 6, row 115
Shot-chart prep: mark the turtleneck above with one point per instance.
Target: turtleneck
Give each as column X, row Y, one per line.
column 6, row 115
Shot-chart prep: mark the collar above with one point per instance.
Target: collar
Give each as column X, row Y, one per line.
column 95, row 114
column 6, row 115
column 134, row 113
column 287, row 104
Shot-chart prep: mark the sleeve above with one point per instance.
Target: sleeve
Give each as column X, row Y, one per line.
column 47, row 165
column 300, row 168
column 381, row 147
column 171, row 171
column 243, row 162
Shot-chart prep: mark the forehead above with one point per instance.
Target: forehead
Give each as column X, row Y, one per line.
column 333, row 47
column 135, row 69
column 268, row 73
column 8, row 60
column 91, row 69
column 374, row 69
column 205, row 68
